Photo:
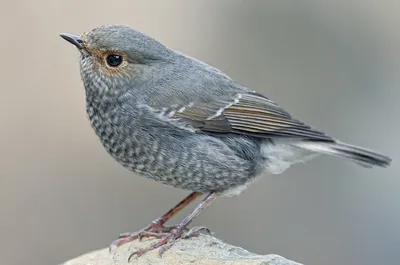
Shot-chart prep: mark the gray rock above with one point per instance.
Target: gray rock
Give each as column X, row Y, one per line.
column 203, row 250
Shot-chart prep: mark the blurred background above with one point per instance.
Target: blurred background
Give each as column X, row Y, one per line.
column 334, row 64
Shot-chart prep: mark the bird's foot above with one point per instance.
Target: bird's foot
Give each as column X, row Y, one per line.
column 155, row 229
column 167, row 239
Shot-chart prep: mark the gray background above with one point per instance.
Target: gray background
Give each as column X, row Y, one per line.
column 335, row 64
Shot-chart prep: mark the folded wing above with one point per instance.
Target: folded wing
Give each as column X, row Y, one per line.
column 247, row 113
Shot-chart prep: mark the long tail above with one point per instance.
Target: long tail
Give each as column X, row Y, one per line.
column 362, row 156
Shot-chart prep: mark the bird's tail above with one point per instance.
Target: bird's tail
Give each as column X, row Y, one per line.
column 362, row 156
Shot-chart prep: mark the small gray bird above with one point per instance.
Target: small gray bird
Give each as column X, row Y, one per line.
column 184, row 123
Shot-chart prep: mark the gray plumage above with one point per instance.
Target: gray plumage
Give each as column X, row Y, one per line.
column 181, row 122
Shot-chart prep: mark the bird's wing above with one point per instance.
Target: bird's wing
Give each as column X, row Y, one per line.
column 247, row 113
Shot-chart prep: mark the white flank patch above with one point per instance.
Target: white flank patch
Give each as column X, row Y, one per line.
column 280, row 156
column 239, row 189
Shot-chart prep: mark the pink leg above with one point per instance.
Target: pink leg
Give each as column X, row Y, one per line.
column 180, row 231
column 156, row 228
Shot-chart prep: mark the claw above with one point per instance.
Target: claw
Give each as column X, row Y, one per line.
column 164, row 248
column 148, row 234
column 142, row 251
column 154, row 229
column 196, row 231
column 167, row 239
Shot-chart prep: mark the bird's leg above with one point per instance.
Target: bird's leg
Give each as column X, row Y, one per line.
column 180, row 231
column 156, row 228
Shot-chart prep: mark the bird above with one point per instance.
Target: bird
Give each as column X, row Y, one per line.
column 181, row 122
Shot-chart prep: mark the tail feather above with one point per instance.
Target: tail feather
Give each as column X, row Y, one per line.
column 362, row 156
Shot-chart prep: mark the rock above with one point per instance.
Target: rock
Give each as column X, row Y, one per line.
column 202, row 250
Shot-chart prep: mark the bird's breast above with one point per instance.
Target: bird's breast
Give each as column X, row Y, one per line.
column 117, row 134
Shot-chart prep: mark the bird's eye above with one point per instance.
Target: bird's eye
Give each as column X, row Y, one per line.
column 114, row 60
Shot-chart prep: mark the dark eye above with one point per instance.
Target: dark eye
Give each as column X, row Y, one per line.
column 114, row 60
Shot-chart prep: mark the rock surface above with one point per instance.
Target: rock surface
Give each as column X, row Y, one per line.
column 203, row 250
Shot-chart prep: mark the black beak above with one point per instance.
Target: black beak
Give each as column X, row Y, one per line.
column 74, row 39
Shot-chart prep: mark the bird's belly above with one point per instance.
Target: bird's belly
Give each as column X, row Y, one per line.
column 180, row 162
column 180, row 159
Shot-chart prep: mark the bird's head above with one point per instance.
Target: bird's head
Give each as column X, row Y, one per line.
column 115, row 58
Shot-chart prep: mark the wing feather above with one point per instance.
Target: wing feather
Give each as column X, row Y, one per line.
column 246, row 113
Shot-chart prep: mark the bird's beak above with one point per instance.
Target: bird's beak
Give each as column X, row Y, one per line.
column 74, row 39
